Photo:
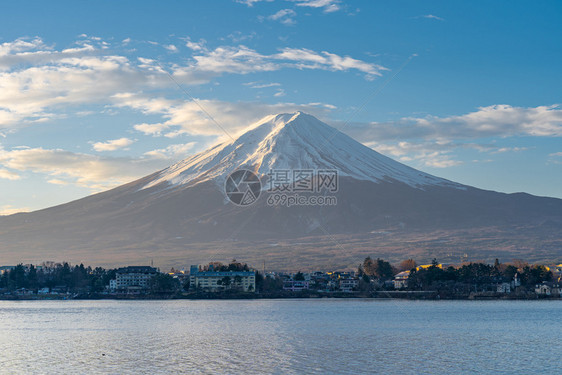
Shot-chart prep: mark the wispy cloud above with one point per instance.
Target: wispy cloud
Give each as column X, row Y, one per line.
column 171, row 48
column 172, row 151
column 90, row 171
column 9, row 175
column 555, row 158
column 431, row 17
column 39, row 82
column 180, row 117
column 10, row 210
column 285, row 16
column 112, row 145
column 251, row 3
column 257, row 85
column 426, row 154
column 431, row 140
column 327, row 5
column 493, row 121
column 502, row 150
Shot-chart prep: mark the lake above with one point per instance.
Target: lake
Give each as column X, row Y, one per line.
column 280, row 336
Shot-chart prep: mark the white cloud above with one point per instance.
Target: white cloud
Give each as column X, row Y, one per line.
column 56, row 181
column 238, row 36
column 35, row 89
column 556, row 158
column 151, row 129
column 171, row 48
column 244, row 60
column 303, row 58
column 257, row 85
column 10, row 210
column 112, row 145
column 424, row 154
column 251, row 3
column 430, row 141
column 328, row 5
column 187, row 117
column 285, row 16
column 492, row 121
column 195, row 46
column 509, row 149
column 172, row 151
column 431, row 17
column 9, row 175
column 90, row 171
column 39, row 83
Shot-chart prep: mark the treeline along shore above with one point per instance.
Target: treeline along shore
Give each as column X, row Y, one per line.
column 373, row 278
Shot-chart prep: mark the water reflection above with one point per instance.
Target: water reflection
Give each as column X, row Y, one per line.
column 278, row 336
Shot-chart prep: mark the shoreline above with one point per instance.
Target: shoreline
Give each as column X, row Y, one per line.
column 405, row 295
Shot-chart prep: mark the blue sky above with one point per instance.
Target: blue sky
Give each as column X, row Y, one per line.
column 466, row 91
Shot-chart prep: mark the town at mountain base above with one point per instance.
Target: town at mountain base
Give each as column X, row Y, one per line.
column 373, row 278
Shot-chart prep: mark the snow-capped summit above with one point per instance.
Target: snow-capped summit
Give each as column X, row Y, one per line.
column 292, row 141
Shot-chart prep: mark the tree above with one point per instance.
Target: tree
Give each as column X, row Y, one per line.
column 237, row 281
column 226, row 281
column 407, row 265
column 379, row 268
column 299, row 276
column 186, row 285
column 163, row 283
column 18, row 276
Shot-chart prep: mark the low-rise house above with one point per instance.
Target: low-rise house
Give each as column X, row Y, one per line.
column 503, row 288
column 215, row 281
column 296, row 285
column 543, row 289
column 348, row 285
column 23, row 292
column 548, row 289
column 401, row 280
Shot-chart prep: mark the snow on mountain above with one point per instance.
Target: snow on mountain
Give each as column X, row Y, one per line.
column 293, row 141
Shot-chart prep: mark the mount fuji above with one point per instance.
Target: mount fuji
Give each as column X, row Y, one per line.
column 182, row 214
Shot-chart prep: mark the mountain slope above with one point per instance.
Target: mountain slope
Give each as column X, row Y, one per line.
column 181, row 214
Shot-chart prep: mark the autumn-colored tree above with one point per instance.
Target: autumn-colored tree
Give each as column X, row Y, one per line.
column 407, row 265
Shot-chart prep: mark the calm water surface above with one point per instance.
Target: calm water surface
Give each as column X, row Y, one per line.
column 280, row 336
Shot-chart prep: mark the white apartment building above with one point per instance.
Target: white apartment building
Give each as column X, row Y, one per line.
column 214, row 281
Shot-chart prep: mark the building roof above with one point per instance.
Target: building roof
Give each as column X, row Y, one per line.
column 137, row 269
column 222, row 274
